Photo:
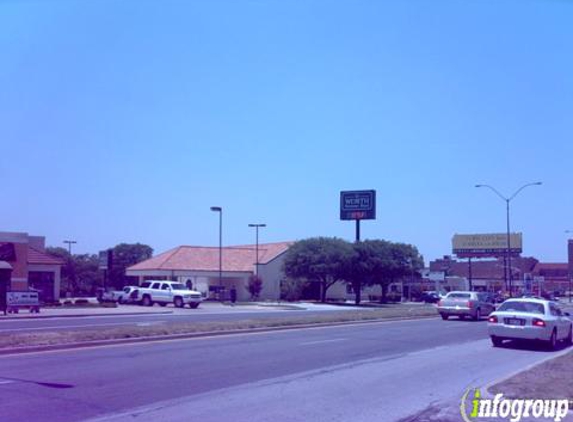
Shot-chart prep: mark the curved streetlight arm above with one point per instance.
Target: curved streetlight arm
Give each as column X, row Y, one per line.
column 523, row 187
column 495, row 191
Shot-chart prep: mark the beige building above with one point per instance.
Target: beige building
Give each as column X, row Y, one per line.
column 198, row 267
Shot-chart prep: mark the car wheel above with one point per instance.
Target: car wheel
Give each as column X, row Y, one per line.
column 496, row 341
column 552, row 343
column 477, row 316
column 194, row 305
column 120, row 300
column 146, row 301
column 462, row 317
column 178, row 302
column 444, row 316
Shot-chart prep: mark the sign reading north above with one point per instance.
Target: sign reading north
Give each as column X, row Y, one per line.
column 358, row 205
column 486, row 245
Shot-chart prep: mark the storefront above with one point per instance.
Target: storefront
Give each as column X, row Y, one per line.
column 32, row 267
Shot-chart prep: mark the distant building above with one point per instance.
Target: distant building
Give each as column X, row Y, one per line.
column 488, row 275
column 32, row 267
column 198, row 267
column 553, row 276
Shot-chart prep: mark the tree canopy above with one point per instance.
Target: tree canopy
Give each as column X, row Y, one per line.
column 81, row 274
column 319, row 259
column 367, row 263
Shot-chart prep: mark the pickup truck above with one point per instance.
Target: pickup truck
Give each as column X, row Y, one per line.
column 462, row 304
column 165, row 292
column 104, row 295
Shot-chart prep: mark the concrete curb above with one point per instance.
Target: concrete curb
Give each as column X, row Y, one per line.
column 36, row 316
column 135, row 340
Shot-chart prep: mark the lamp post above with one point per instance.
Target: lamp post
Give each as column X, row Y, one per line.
column 570, row 262
column 70, row 243
column 508, row 250
column 71, row 275
column 220, row 211
column 256, row 226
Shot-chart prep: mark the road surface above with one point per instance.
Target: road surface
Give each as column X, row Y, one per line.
column 369, row 372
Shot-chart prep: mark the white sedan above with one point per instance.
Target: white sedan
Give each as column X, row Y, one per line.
column 530, row 319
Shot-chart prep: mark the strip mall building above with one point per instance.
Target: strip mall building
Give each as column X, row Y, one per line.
column 30, row 266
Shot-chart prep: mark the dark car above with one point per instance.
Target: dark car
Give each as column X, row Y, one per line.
column 430, row 297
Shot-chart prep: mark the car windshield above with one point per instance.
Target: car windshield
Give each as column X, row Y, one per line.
column 145, row 284
column 459, row 296
column 178, row 286
column 528, row 307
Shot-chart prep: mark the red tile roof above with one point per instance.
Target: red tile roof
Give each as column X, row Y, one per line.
column 200, row 258
column 36, row 257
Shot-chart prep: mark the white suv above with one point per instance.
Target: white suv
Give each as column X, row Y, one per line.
column 165, row 292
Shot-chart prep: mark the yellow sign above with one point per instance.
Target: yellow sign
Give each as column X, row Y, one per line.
column 486, row 245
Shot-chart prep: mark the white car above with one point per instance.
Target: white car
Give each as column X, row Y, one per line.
column 130, row 294
column 530, row 319
column 165, row 292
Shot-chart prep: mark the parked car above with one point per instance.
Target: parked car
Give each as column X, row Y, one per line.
column 130, row 294
column 165, row 292
column 465, row 304
column 430, row 297
column 530, row 319
column 104, row 295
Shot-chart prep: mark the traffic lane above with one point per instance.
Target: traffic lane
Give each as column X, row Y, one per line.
column 389, row 389
column 114, row 379
column 86, row 322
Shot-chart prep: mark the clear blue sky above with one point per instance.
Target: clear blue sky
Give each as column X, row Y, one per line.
column 125, row 120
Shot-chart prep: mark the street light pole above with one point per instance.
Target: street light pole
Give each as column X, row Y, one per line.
column 70, row 243
column 570, row 264
column 507, row 271
column 220, row 211
column 71, row 275
column 256, row 226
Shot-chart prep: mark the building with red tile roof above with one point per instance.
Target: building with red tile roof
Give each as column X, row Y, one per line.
column 32, row 267
column 198, row 266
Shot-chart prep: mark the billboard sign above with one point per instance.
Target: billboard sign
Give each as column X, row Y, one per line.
column 485, row 245
column 358, row 205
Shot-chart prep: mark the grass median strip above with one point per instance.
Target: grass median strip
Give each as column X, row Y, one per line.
column 60, row 337
column 548, row 380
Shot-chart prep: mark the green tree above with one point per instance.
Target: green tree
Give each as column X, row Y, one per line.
column 291, row 289
column 88, row 275
column 254, row 286
column 126, row 255
column 80, row 275
column 320, row 259
column 364, row 264
column 394, row 261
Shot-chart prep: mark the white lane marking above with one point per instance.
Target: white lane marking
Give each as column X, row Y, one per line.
column 6, row 382
column 149, row 324
column 309, row 343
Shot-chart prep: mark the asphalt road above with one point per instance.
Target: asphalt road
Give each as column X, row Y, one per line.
column 191, row 315
column 373, row 372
